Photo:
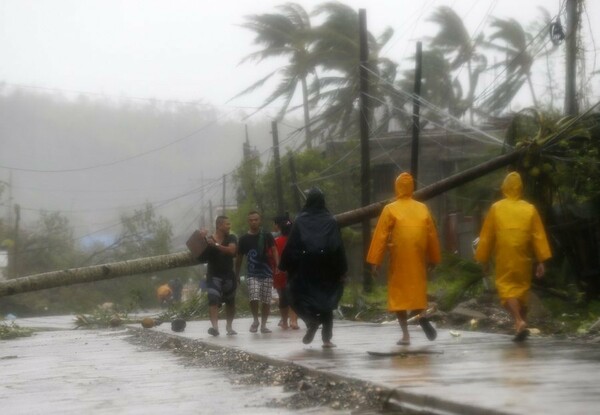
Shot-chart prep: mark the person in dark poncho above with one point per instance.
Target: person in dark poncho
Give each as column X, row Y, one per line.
column 315, row 260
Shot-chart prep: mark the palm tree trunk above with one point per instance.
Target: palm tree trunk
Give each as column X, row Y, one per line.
column 96, row 273
column 185, row 259
column 535, row 101
column 307, row 131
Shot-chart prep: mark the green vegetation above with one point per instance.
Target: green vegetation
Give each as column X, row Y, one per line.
column 456, row 280
column 13, row 331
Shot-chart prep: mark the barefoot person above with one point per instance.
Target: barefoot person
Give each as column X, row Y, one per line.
column 315, row 261
column 220, row 278
column 283, row 226
column 513, row 230
column 406, row 229
column 261, row 258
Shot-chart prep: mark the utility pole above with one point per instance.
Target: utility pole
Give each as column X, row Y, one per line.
column 416, row 124
column 210, row 215
column 202, row 206
column 223, row 209
column 365, row 167
column 571, row 99
column 277, row 161
column 294, row 184
column 16, row 259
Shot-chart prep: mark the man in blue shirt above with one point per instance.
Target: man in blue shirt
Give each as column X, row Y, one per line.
column 261, row 258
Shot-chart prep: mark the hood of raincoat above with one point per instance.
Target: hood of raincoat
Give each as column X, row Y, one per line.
column 512, row 187
column 404, row 186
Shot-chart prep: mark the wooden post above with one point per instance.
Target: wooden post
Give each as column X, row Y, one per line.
column 294, row 184
column 223, row 209
column 571, row 101
column 277, row 161
column 416, row 126
column 210, row 215
column 365, row 167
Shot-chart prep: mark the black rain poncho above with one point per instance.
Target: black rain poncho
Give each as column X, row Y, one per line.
column 315, row 260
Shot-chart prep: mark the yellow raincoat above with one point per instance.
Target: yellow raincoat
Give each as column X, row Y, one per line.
column 406, row 229
column 514, row 230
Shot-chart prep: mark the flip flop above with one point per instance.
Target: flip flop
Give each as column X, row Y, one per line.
column 428, row 328
column 265, row 330
column 521, row 336
column 231, row 332
column 403, row 342
column 254, row 327
column 328, row 345
column 213, row 331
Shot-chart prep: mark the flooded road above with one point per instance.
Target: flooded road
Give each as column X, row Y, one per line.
column 99, row 372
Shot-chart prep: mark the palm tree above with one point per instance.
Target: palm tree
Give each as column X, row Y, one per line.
column 437, row 87
column 286, row 34
column 520, row 49
column 336, row 51
column 455, row 43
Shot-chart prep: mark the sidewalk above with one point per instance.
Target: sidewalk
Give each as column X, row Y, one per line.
column 474, row 373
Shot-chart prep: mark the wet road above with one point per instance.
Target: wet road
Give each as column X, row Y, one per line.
column 473, row 373
column 99, row 372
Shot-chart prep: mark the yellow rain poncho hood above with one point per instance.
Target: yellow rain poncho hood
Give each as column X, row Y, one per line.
column 405, row 229
column 513, row 231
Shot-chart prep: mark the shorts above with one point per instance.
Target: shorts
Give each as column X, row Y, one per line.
column 260, row 289
column 221, row 290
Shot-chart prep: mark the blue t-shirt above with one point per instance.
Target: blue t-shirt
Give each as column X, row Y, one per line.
column 258, row 262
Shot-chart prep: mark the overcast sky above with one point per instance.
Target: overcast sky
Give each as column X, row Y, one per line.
column 188, row 50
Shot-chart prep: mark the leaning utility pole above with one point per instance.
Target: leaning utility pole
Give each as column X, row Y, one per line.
column 186, row 259
column 571, row 99
column 294, row 183
column 416, row 125
column 277, row 161
column 365, row 167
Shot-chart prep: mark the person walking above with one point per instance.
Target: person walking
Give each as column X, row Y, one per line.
column 315, row 260
column 406, row 229
column 220, row 277
column 283, row 226
column 261, row 258
column 513, row 231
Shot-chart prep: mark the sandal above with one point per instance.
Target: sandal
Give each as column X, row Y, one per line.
column 403, row 342
column 428, row 328
column 213, row 331
column 254, row 327
column 265, row 330
column 521, row 336
column 310, row 333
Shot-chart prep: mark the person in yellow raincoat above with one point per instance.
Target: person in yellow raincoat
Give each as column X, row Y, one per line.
column 513, row 230
column 406, row 229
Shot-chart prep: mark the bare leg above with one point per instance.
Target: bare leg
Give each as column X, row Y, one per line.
column 327, row 329
column 254, row 310
column 264, row 315
column 213, row 312
column 293, row 318
column 514, row 308
column 402, row 319
column 284, row 317
column 230, row 314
